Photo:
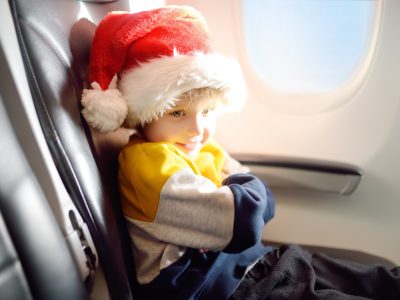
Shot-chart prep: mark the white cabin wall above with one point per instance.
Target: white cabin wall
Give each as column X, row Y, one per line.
column 364, row 132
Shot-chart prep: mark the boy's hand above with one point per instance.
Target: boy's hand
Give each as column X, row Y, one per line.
column 203, row 251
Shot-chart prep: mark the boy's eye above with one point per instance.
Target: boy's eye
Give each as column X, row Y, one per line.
column 177, row 113
column 206, row 111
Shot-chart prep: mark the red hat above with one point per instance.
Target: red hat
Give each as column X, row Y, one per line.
column 140, row 63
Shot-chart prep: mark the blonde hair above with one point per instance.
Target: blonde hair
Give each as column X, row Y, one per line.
column 212, row 96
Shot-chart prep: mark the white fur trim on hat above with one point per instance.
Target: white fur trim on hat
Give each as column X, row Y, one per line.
column 104, row 110
column 154, row 86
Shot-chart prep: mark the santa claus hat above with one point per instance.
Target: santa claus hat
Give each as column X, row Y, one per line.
column 141, row 62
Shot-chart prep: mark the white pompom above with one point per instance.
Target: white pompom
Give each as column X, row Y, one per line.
column 104, row 110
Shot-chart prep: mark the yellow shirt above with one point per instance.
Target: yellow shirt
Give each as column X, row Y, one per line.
column 172, row 202
column 144, row 167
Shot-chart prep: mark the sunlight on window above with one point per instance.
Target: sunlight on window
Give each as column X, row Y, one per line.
column 307, row 45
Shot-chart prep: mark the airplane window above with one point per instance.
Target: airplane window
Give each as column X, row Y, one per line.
column 308, row 46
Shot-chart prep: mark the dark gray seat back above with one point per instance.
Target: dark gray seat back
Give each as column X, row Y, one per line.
column 35, row 261
column 55, row 42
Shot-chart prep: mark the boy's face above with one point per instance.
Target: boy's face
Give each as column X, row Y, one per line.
column 188, row 126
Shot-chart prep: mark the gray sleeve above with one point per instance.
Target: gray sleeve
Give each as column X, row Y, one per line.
column 194, row 212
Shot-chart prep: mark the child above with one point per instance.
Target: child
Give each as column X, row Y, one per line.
column 194, row 215
column 194, row 228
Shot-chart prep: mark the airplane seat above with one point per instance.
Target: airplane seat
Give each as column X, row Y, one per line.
column 55, row 42
column 35, row 261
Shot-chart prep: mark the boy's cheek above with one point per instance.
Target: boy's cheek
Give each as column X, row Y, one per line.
column 212, row 126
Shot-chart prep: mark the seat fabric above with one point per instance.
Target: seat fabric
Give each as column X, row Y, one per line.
column 55, row 42
column 35, row 261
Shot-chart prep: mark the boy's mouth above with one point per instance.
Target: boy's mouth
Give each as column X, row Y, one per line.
column 189, row 146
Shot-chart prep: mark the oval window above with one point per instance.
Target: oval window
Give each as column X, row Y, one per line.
column 309, row 46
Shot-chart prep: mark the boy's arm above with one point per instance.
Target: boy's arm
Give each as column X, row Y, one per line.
column 177, row 206
column 193, row 212
column 250, row 216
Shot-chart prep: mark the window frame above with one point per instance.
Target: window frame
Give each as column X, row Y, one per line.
column 306, row 102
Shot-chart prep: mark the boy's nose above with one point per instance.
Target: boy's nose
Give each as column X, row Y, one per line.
column 196, row 126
